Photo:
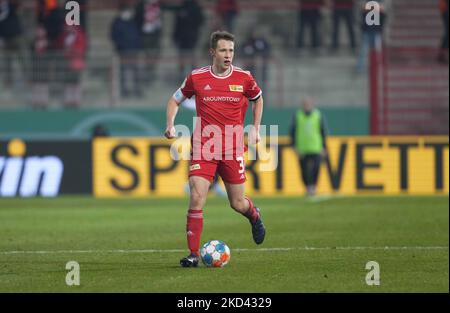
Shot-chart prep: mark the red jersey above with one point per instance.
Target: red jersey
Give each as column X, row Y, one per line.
column 221, row 101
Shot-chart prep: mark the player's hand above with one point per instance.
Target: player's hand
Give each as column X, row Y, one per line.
column 170, row 132
column 254, row 136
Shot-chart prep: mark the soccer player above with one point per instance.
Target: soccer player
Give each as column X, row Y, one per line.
column 222, row 92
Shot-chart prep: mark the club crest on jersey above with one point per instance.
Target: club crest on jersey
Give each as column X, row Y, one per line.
column 237, row 88
column 194, row 167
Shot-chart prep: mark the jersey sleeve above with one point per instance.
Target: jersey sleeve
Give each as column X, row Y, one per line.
column 251, row 89
column 187, row 88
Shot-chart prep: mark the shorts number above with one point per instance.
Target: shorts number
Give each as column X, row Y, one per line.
column 241, row 164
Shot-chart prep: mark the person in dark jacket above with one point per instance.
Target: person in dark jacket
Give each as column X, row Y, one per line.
column 443, row 51
column 256, row 52
column 73, row 46
column 226, row 11
column 310, row 17
column 188, row 20
column 149, row 21
column 126, row 37
column 343, row 10
column 11, row 34
column 372, row 33
column 39, row 68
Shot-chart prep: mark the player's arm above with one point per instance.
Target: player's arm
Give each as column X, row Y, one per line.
column 257, row 107
column 254, row 95
column 185, row 91
column 172, row 110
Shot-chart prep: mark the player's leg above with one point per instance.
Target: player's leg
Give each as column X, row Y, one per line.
column 233, row 176
column 199, row 187
column 215, row 186
column 201, row 174
column 244, row 205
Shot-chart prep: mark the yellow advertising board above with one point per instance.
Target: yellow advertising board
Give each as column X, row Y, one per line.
column 139, row 167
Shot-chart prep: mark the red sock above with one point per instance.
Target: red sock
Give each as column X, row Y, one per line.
column 251, row 214
column 194, row 230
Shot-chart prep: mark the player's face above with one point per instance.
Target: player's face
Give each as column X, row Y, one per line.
column 223, row 54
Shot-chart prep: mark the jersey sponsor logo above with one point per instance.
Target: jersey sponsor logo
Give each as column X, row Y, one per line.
column 221, row 99
column 237, row 88
column 207, row 87
column 194, row 167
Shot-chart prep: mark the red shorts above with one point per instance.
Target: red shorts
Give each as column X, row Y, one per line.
column 231, row 171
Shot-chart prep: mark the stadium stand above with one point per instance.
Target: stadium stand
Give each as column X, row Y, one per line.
column 325, row 77
column 414, row 89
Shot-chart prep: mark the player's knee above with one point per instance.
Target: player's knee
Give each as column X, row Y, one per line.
column 238, row 205
column 197, row 200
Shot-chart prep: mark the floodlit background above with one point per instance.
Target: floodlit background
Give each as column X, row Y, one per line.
column 86, row 175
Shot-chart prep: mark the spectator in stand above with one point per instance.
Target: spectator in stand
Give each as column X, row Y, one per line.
column 72, row 43
column 43, row 9
column 126, row 38
column 256, row 52
column 48, row 62
column 189, row 18
column 51, row 14
column 443, row 53
column 11, row 35
column 310, row 17
column 343, row 10
column 226, row 11
column 39, row 69
column 149, row 21
column 83, row 15
column 372, row 35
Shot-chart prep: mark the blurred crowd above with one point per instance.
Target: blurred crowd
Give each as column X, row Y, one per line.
column 57, row 51
column 137, row 28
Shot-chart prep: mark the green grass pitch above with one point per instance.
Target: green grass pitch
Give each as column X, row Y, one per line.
column 131, row 245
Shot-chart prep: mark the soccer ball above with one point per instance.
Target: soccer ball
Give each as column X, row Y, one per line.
column 215, row 253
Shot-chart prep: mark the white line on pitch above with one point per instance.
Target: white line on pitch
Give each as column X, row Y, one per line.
column 237, row 249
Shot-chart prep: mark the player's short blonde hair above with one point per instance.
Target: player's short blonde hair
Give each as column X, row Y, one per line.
column 218, row 35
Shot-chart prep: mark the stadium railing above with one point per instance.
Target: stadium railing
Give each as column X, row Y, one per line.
column 409, row 92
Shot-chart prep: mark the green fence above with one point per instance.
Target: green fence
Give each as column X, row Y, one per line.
column 78, row 124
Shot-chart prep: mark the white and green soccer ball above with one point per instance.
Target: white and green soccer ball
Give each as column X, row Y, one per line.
column 215, row 253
